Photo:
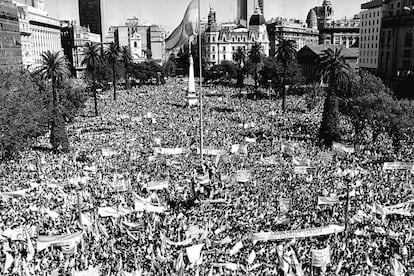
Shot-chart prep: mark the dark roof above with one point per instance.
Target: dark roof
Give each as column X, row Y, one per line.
column 257, row 19
column 312, row 16
column 318, row 49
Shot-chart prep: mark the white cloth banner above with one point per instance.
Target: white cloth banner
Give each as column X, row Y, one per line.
column 343, row 148
column 143, row 206
column 157, row 185
column 331, row 200
column 302, row 233
column 14, row 194
column 213, row 152
column 390, row 166
column 239, row 149
column 243, row 176
column 321, row 257
column 19, row 234
column 170, row 151
column 90, row 272
column 113, row 212
column 44, row 242
column 193, row 253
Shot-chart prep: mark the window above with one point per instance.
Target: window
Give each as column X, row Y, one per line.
column 135, row 44
column 408, row 41
column 407, row 53
column 213, row 56
column 224, row 48
column 224, row 57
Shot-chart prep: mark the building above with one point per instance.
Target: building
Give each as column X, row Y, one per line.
column 39, row 32
column 396, row 48
column 220, row 43
column 10, row 45
column 144, row 41
column 246, row 8
column 74, row 40
column 291, row 30
column 309, row 55
column 371, row 16
column 341, row 32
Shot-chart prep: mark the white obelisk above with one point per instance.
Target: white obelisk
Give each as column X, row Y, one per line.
column 192, row 99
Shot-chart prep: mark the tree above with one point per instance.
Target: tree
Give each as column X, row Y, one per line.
column 112, row 54
column 23, row 115
column 239, row 57
column 92, row 60
column 55, row 67
column 255, row 56
column 333, row 66
column 126, row 58
column 285, row 53
column 170, row 66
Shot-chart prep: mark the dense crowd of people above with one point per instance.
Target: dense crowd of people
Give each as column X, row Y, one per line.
column 133, row 198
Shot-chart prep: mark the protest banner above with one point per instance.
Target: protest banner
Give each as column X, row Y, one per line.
column 143, row 206
column 14, row 194
column 338, row 147
column 300, row 170
column 328, row 200
column 170, row 151
column 92, row 271
column 287, row 148
column 325, row 157
column 20, row 234
column 213, row 152
column 120, row 185
column 285, row 204
column 239, row 149
column 236, row 248
column 321, row 257
column 250, row 140
column 390, row 166
column 193, row 253
column 113, row 212
column 44, row 242
column 243, row 176
column 109, row 152
column 170, row 242
column 303, row 233
column 301, row 162
column 157, row 185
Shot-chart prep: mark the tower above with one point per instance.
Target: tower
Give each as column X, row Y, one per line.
column 312, row 19
column 90, row 15
column 246, row 8
column 211, row 16
column 327, row 12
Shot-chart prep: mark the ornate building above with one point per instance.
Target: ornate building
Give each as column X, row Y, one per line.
column 343, row 32
column 10, row 46
column 246, row 8
column 396, row 46
column 74, row 40
column 220, row 43
column 39, row 32
column 295, row 30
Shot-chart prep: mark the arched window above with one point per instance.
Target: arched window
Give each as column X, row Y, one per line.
column 135, row 44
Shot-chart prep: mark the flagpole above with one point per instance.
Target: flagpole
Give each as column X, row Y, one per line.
column 201, row 83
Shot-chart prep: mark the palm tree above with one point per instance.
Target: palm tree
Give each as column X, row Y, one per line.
column 54, row 67
column 126, row 60
column 285, row 53
column 255, row 56
column 332, row 65
column 112, row 54
column 239, row 57
column 91, row 60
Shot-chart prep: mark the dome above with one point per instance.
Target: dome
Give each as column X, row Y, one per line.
column 257, row 18
column 312, row 16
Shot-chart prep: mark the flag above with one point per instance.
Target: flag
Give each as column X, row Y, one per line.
column 187, row 28
column 251, row 258
column 193, row 253
column 236, row 248
column 397, row 268
column 8, row 262
column 30, row 249
column 44, row 242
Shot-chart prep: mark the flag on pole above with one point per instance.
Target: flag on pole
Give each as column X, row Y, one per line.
column 187, row 28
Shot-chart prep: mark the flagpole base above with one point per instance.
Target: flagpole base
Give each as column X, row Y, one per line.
column 191, row 99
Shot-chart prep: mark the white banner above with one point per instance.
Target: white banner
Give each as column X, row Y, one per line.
column 321, row 257
column 19, row 234
column 269, row 161
column 108, row 152
column 170, row 151
column 157, row 185
column 343, row 148
column 213, row 152
column 331, row 200
column 243, row 176
column 113, row 212
column 390, row 166
column 303, row 233
column 44, row 242
column 239, row 149
column 15, row 194
column 142, row 206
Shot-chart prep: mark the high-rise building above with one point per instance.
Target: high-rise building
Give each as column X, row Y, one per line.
column 370, row 27
column 90, row 15
column 396, row 46
column 10, row 49
column 295, row 30
column 39, row 32
column 246, row 8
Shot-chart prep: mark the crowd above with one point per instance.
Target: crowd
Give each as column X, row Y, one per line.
column 132, row 198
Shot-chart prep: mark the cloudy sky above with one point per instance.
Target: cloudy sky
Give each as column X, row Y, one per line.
column 168, row 13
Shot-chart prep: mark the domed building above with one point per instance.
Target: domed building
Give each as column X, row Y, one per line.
column 220, row 42
column 312, row 19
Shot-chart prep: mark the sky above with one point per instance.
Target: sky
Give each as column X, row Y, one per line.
column 168, row 13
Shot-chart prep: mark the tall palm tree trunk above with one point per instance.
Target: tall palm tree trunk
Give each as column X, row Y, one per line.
column 114, row 80
column 95, row 99
column 284, row 88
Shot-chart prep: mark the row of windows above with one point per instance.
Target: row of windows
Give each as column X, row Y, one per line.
column 369, row 38
column 364, row 23
column 368, row 45
column 369, row 30
column 408, row 39
column 369, row 53
column 371, row 14
column 369, row 60
column 9, row 27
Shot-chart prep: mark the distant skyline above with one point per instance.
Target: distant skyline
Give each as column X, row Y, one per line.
column 168, row 13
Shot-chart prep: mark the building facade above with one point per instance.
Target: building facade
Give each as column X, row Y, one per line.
column 220, row 43
column 246, row 8
column 74, row 40
column 144, row 41
column 10, row 43
column 396, row 46
column 291, row 30
column 371, row 16
column 39, row 32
